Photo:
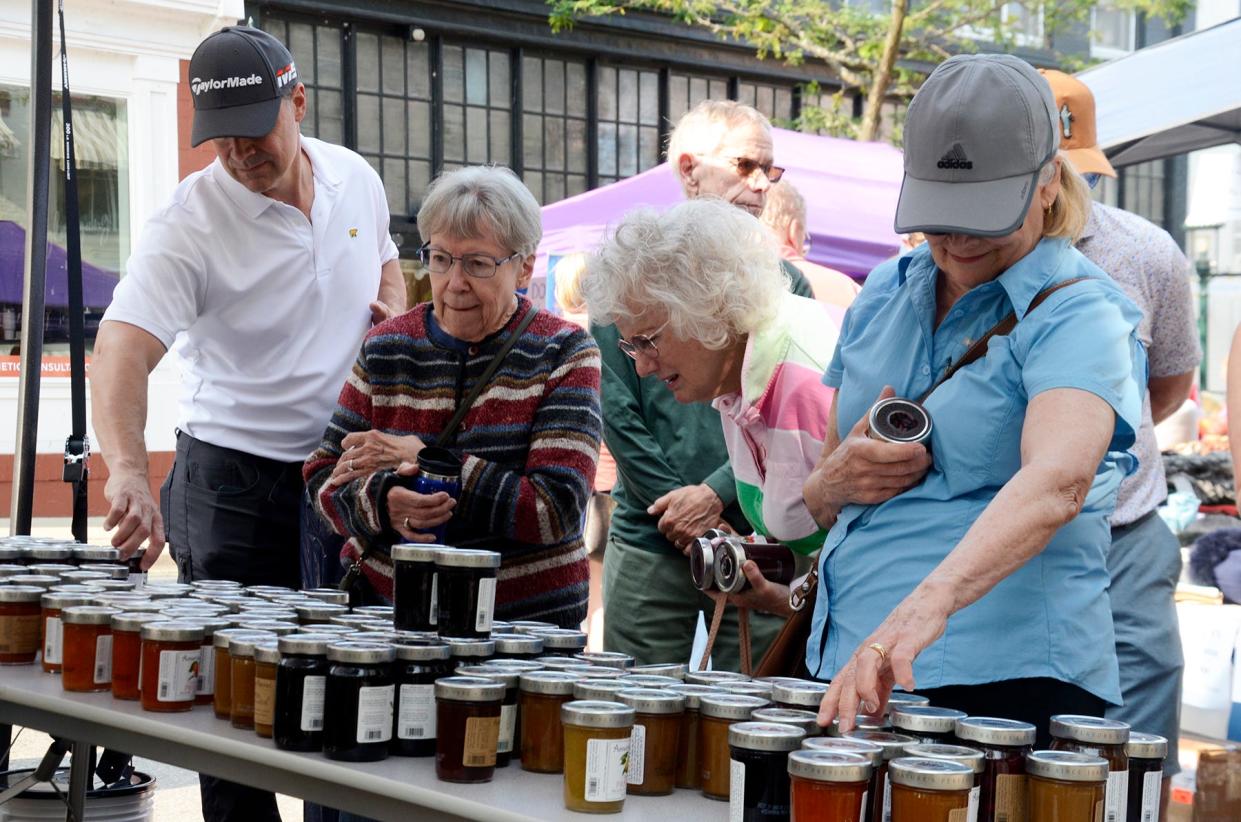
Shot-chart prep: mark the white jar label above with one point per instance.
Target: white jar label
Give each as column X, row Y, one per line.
column 103, row 659
column 53, row 638
column 486, row 604
column 1117, row 800
column 178, row 675
column 637, row 755
column 206, row 673
column 736, row 791
column 313, row 690
column 416, row 715
column 1152, row 788
column 887, row 799
column 606, row 760
column 375, row 714
column 508, row 728
column 435, row 598
column 971, row 813
column 861, row 814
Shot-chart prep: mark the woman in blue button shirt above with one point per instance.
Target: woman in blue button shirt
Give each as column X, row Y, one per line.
column 975, row 573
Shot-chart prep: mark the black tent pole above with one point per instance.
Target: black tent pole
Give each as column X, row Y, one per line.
column 22, row 505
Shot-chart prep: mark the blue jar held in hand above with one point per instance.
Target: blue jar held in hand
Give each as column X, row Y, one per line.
column 438, row 470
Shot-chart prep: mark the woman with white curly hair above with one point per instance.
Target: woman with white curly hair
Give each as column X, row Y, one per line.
column 699, row 299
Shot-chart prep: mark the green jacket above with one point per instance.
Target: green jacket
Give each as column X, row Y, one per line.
column 660, row 444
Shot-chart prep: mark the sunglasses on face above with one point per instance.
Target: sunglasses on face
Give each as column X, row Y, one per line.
column 747, row 168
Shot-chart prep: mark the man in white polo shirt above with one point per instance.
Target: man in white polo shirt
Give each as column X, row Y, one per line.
column 268, row 267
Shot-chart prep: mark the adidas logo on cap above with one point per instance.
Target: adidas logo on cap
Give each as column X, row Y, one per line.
column 955, row 158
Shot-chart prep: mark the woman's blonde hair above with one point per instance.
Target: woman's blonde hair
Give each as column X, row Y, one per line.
column 1071, row 209
column 568, row 277
column 709, row 265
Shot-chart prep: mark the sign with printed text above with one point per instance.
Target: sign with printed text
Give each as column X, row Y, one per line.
column 52, row 367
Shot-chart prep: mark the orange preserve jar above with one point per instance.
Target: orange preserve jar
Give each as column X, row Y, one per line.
column 1066, row 787
column 930, row 790
column 266, row 661
column 1096, row 736
column 689, row 773
column 542, row 736
column 127, row 652
column 87, row 657
column 869, row 751
column 654, row 740
column 596, row 755
column 221, row 669
column 241, row 679
column 716, row 715
column 828, row 786
column 171, row 661
column 971, row 758
column 19, row 624
column 53, row 636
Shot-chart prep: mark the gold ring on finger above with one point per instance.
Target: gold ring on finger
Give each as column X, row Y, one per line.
column 879, row 649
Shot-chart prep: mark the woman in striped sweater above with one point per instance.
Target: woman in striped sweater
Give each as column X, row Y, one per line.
column 529, row 442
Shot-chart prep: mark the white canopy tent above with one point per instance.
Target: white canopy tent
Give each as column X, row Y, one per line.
column 1176, row 96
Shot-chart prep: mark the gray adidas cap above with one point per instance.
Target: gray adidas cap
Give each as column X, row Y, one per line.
column 976, row 135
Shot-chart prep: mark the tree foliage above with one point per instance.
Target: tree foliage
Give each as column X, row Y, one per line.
column 880, row 56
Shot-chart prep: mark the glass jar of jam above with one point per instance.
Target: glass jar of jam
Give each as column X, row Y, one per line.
column 828, row 786
column 317, row 612
column 517, row 646
column 301, row 686
column 775, row 562
column 206, row 676
column 599, row 690
column 1146, row 753
column 929, row 790
column 332, row 595
column 465, row 651
column 751, row 688
column 673, row 670
column 467, row 727
column 654, row 739
column 869, row 751
column 170, row 663
column 759, row 769
column 1004, row 744
column 971, row 758
column 716, row 715
column 596, row 755
column 510, row 713
column 1096, row 736
column 1066, row 786
column 127, row 652
column 418, row 667
column 53, row 635
column 415, row 587
column 87, row 655
column 20, row 618
column 466, row 595
column 266, row 661
column 714, row 678
column 561, row 642
column 806, row 721
column 798, row 694
column 893, row 745
column 361, row 691
column 222, row 667
column 649, row 681
column 925, row 722
column 241, row 677
column 605, row 659
column 861, row 722
column 542, row 736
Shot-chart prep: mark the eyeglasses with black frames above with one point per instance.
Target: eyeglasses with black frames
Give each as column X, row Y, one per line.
column 480, row 266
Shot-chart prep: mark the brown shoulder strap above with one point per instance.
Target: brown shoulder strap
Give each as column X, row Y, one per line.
column 1000, row 329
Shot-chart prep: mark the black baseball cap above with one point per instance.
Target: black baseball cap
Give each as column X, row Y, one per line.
column 237, row 77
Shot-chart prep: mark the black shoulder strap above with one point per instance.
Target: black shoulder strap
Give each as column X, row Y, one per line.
column 450, row 430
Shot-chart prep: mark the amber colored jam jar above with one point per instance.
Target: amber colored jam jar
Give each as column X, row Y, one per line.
column 301, row 688
column 798, row 694
column 170, row 664
column 716, row 715
column 466, row 591
column 127, row 652
column 1066, row 786
column 1146, row 754
column 87, row 658
column 1096, row 736
column 241, row 678
column 542, row 736
column 222, row 668
column 689, row 770
column 926, row 723
column 20, row 618
column 930, row 790
column 415, row 586
column 869, row 751
column 1004, row 744
column 266, row 661
column 654, row 739
column 510, row 713
column 561, row 642
column 596, row 755
column 358, row 707
column 893, row 746
column 53, row 603
column 467, row 728
column 971, row 758
column 759, row 769
column 807, row 721
column 419, row 665
column 828, row 786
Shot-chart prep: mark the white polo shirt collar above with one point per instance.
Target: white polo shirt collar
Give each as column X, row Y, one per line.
column 253, row 204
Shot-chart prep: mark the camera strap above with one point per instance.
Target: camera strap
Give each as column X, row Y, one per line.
column 1000, row 329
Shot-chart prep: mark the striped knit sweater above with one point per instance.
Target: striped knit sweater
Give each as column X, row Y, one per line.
column 529, row 446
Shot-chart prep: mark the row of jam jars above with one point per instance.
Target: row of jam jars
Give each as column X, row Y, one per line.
column 1004, row 744
column 759, row 771
column 1105, row 738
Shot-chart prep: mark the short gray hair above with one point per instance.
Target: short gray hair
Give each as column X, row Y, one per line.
column 483, row 201
column 701, row 129
column 709, row 264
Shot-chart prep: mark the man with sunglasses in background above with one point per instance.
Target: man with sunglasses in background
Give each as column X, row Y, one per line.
column 674, row 480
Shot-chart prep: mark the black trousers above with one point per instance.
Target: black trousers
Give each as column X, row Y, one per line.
column 233, row 515
column 1034, row 700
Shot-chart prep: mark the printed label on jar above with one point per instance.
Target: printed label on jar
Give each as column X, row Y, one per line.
column 53, row 638
column 482, row 735
column 1010, row 798
column 264, row 701
column 972, row 811
column 1152, row 786
column 486, row 604
column 313, row 690
column 103, row 659
column 19, row 634
column 1117, row 796
column 375, row 714
column 887, row 799
column 178, row 675
column 416, row 716
column 606, row 763
column 206, row 673
column 736, row 791
column 958, row 815
column 435, row 598
column 508, row 727
column 861, row 814
column 637, row 755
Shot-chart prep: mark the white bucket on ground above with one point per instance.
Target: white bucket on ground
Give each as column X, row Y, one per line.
column 129, row 803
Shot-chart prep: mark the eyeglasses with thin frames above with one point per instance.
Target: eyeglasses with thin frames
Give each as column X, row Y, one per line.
column 643, row 344
column 481, row 266
column 747, row 167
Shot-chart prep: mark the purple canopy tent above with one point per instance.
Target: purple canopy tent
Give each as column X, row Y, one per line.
column 97, row 283
column 850, row 190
